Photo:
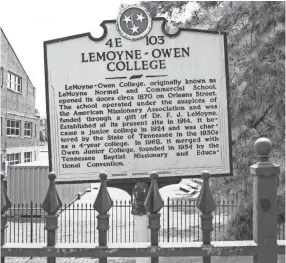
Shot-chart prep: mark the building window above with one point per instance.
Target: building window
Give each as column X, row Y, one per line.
column 1, row 77
column 27, row 157
column 14, row 82
column 28, row 129
column 13, row 128
column 13, row 158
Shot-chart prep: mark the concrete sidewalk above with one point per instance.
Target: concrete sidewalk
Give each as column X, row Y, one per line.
column 66, row 260
column 234, row 259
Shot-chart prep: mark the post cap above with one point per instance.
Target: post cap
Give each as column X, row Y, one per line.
column 52, row 176
column 205, row 202
column 205, row 174
column 264, row 167
column 103, row 201
column 103, row 176
column 153, row 202
column 154, row 176
column 263, row 146
column 52, row 202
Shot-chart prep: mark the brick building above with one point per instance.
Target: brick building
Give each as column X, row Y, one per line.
column 20, row 121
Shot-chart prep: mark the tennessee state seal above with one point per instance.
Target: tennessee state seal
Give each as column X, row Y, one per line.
column 133, row 22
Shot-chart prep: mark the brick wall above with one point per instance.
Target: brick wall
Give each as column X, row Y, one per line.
column 15, row 105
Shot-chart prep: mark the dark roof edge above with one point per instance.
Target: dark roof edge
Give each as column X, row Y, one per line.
column 16, row 56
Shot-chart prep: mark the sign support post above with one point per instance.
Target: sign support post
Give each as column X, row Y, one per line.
column 141, row 231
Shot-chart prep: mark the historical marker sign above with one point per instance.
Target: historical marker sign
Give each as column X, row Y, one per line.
column 137, row 100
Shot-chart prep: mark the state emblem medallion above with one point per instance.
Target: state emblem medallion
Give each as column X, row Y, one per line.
column 134, row 22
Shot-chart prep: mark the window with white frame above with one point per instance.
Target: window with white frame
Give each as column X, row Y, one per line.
column 27, row 157
column 13, row 128
column 14, row 82
column 28, row 129
column 13, row 158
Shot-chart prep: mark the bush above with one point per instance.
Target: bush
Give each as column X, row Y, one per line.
column 240, row 226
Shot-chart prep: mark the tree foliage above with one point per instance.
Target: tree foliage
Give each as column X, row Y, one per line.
column 256, row 58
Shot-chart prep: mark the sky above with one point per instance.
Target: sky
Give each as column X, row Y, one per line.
column 33, row 21
column 27, row 24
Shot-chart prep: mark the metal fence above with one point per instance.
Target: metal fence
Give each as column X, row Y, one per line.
column 180, row 221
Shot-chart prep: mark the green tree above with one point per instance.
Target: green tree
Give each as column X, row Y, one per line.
column 256, row 57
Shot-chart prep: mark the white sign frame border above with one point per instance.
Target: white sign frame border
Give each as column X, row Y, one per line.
column 135, row 179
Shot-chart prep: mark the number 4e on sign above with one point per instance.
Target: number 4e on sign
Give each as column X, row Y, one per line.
column 137, row 100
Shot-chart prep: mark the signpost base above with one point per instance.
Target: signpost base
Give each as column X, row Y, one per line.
column 141, row 233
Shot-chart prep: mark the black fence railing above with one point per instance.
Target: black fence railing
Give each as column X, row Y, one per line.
column 180, row 221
